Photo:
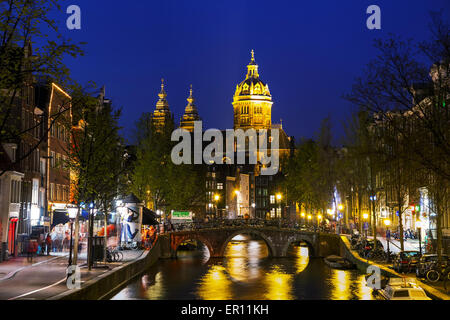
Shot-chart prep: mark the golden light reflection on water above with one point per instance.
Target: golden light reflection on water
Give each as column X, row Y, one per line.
column 346, row 287
column 340, row 280
column 278, row 284
column 246, row 274
column 157, row 290
column 302, row 258
column 242, row 259
column 364, row 291
column 215, row 285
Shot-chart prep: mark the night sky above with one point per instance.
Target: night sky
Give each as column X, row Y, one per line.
column 309, row 52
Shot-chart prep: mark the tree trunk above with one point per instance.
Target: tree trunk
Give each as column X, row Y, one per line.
column 359, row 214
column 439, row 213
column 77, row 238
column 105, row 247
column 90, row 239
column 374, row 225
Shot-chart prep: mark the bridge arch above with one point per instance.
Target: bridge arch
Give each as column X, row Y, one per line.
column 299, row 238
column 254, row 232
column 178, row 239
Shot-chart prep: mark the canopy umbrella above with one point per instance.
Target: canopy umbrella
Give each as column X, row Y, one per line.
column 59, row 217
column 149, row 217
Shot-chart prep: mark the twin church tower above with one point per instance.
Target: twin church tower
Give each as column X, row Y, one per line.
column 252, row 103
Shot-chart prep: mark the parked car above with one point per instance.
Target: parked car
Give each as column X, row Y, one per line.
column 426, row 261
column 406, row 261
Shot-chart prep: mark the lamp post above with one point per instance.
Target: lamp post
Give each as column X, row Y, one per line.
column 216, row 199
column 366, row 224
column 72, row 210
column 387, row 223
column 303, row 215
column 419, row 230
column 340, row 216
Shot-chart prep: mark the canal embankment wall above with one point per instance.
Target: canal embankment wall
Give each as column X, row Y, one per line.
column 362, row 265
column 109, row 283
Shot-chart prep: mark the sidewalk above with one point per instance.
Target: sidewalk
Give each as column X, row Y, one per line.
column 46, row 276
column 410, row 245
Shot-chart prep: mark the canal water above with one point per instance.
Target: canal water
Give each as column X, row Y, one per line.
column 246, row 273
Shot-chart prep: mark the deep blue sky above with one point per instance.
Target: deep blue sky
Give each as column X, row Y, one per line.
column 309, row 52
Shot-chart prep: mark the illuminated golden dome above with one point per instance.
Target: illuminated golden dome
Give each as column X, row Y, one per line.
column 252, row 85
column 252, row 101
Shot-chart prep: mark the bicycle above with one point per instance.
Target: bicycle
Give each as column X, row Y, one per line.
column 377, row 255
column 434, row 274
column 114, row 255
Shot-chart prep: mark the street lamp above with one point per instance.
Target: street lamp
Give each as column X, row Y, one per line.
column 216, row 199
column 419, row 230
column 319, row 219
column 279, row 196
column 366, row 226
column 72, row 210
column 387, row 223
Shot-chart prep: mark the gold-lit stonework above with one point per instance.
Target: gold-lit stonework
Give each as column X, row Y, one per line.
column 190, row 114
column 162, row 115
column 252, row 101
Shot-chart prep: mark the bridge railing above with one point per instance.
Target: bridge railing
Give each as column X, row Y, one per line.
column 256, row 223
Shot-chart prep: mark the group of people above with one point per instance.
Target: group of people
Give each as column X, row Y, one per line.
column 149, row 237
column 34, row 247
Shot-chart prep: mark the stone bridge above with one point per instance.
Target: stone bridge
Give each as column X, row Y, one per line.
column 277, row 240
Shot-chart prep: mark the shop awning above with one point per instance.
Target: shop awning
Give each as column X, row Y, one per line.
column 59, row 217
column 149, row 217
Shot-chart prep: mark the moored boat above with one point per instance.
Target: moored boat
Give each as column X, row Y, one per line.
column 337, row 262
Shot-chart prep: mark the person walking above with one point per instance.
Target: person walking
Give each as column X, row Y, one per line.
column 32, row 249
column 48, row 243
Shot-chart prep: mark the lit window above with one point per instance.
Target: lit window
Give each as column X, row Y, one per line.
column 272, row 199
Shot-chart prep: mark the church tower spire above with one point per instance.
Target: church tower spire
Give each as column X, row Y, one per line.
column 190, row 114
column 162, row 115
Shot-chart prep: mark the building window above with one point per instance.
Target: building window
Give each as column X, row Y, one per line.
column 53, row 159
column 272, row 199
column 219, row 186
column 52, row 191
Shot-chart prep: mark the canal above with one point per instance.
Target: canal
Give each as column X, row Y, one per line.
column 246, row 273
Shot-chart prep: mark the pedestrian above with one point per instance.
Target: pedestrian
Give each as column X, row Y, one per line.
column 48, row 243
column 32, row 249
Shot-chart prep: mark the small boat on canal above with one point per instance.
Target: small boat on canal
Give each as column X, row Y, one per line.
column 337, row 262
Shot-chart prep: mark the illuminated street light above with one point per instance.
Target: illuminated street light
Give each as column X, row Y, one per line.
column 72, row 210
column 319, row 217
column 302, row 214
column 279, row 196
column 387, row 223
column 217, row 197
column 365, row 216
column 330, row 212
column 309, row 217
column 341, row 207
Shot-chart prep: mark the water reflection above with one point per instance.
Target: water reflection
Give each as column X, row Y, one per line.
column 247, row 273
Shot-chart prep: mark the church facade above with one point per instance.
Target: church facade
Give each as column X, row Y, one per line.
column 238, row 191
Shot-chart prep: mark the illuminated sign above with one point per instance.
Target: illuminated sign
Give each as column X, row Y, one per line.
column 181, row 215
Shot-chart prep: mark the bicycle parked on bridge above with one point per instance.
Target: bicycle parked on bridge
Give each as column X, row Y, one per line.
column 113, row 255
